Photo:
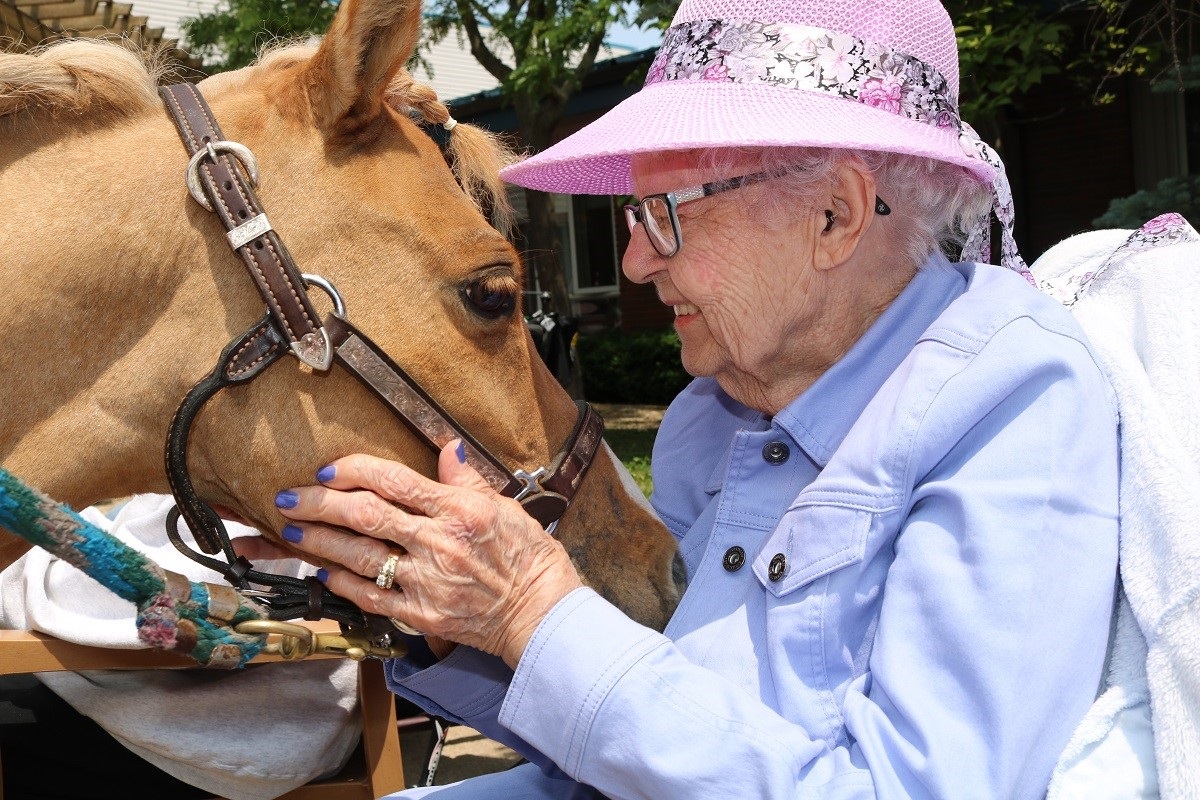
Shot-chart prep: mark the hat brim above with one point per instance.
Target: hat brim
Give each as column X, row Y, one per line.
column 686, row 115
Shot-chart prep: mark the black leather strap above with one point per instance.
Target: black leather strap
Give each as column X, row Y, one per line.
column 242, row 360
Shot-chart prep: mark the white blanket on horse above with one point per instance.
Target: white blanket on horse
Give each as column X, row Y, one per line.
column 1138, row 300
column 250, row 734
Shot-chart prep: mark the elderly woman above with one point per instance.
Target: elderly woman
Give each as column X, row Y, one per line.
column 893, row 481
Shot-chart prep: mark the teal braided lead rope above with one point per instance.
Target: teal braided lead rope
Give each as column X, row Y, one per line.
column 174, row 613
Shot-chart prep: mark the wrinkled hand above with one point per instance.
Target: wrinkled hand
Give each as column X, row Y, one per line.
column 474, row 568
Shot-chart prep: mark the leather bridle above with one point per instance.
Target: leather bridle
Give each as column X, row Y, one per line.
column 291, row 325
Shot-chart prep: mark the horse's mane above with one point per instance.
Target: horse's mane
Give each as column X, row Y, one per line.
column 108, row 81
column 80, row 76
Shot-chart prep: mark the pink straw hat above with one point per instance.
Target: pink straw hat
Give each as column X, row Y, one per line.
column 859, row 74
column 717, row 82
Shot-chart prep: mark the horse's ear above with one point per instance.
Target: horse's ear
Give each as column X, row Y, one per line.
column 368, row 42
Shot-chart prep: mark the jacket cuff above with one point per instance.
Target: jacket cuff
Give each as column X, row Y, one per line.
column 466, row 686
column 578, row 653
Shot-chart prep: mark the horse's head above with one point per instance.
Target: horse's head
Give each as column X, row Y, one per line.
column 362, row 196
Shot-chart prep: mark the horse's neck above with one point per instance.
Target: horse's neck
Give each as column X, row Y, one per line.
column 95, row 244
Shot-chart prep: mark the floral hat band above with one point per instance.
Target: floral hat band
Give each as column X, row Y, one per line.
column 807, row 58
column 810, row 59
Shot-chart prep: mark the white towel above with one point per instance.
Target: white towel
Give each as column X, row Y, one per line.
column 1137, row 296
column 289, row 723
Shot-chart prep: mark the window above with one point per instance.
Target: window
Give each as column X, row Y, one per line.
column 588, row 233
column 594, row 244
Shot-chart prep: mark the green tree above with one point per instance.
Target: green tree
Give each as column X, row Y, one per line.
column 1180, row 194
column 1005, row 47
column 231, row 36
column 1154, row 39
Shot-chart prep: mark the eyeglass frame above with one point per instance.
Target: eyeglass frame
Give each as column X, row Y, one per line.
column 634, row 214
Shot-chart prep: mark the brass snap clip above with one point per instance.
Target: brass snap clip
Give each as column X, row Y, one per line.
column 297, row 642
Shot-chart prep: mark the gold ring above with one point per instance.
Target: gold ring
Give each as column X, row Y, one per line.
column 387, row 573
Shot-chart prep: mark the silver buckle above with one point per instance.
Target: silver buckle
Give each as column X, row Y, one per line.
column 211, row 150
column 316, row 349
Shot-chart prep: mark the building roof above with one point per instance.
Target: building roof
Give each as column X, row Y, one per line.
column 31, row 22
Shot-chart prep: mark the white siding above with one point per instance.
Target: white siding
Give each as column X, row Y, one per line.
column 166, row 14
column 452, row 71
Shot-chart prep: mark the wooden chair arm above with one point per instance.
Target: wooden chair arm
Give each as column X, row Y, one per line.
column 30, row 651
column 383, row 773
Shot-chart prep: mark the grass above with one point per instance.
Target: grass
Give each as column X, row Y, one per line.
column 633, row 447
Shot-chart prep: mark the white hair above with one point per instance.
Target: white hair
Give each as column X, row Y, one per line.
column 934, row 204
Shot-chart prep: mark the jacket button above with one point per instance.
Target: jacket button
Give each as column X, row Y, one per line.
column 777, row 568
column 775, row 452
column 734, row 558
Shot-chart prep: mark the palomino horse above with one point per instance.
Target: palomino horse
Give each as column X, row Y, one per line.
column 121, row 290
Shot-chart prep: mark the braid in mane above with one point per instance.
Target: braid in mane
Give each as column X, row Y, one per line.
column 476, row 155
column 79, row 76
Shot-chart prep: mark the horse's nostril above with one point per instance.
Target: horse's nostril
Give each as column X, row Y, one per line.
column 679, row 573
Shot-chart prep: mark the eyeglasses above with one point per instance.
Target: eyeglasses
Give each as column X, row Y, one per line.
column 659, row 215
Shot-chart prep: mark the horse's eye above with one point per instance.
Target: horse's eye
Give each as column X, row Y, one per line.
column 492, row 297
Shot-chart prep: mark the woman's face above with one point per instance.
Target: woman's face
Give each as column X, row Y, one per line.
column 743, row 286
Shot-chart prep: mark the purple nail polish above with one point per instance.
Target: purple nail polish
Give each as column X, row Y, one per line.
column 325, row 474
column 292, row 534
column 287, row 499
column 323, row 575
column 461, row 451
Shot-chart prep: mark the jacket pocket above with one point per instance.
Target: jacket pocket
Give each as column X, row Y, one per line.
column 812, row 540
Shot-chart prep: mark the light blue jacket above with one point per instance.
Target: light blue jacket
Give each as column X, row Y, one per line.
column 930, row 540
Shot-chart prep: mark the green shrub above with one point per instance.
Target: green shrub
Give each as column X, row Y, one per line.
column 640, row 368
column 1180, row 194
